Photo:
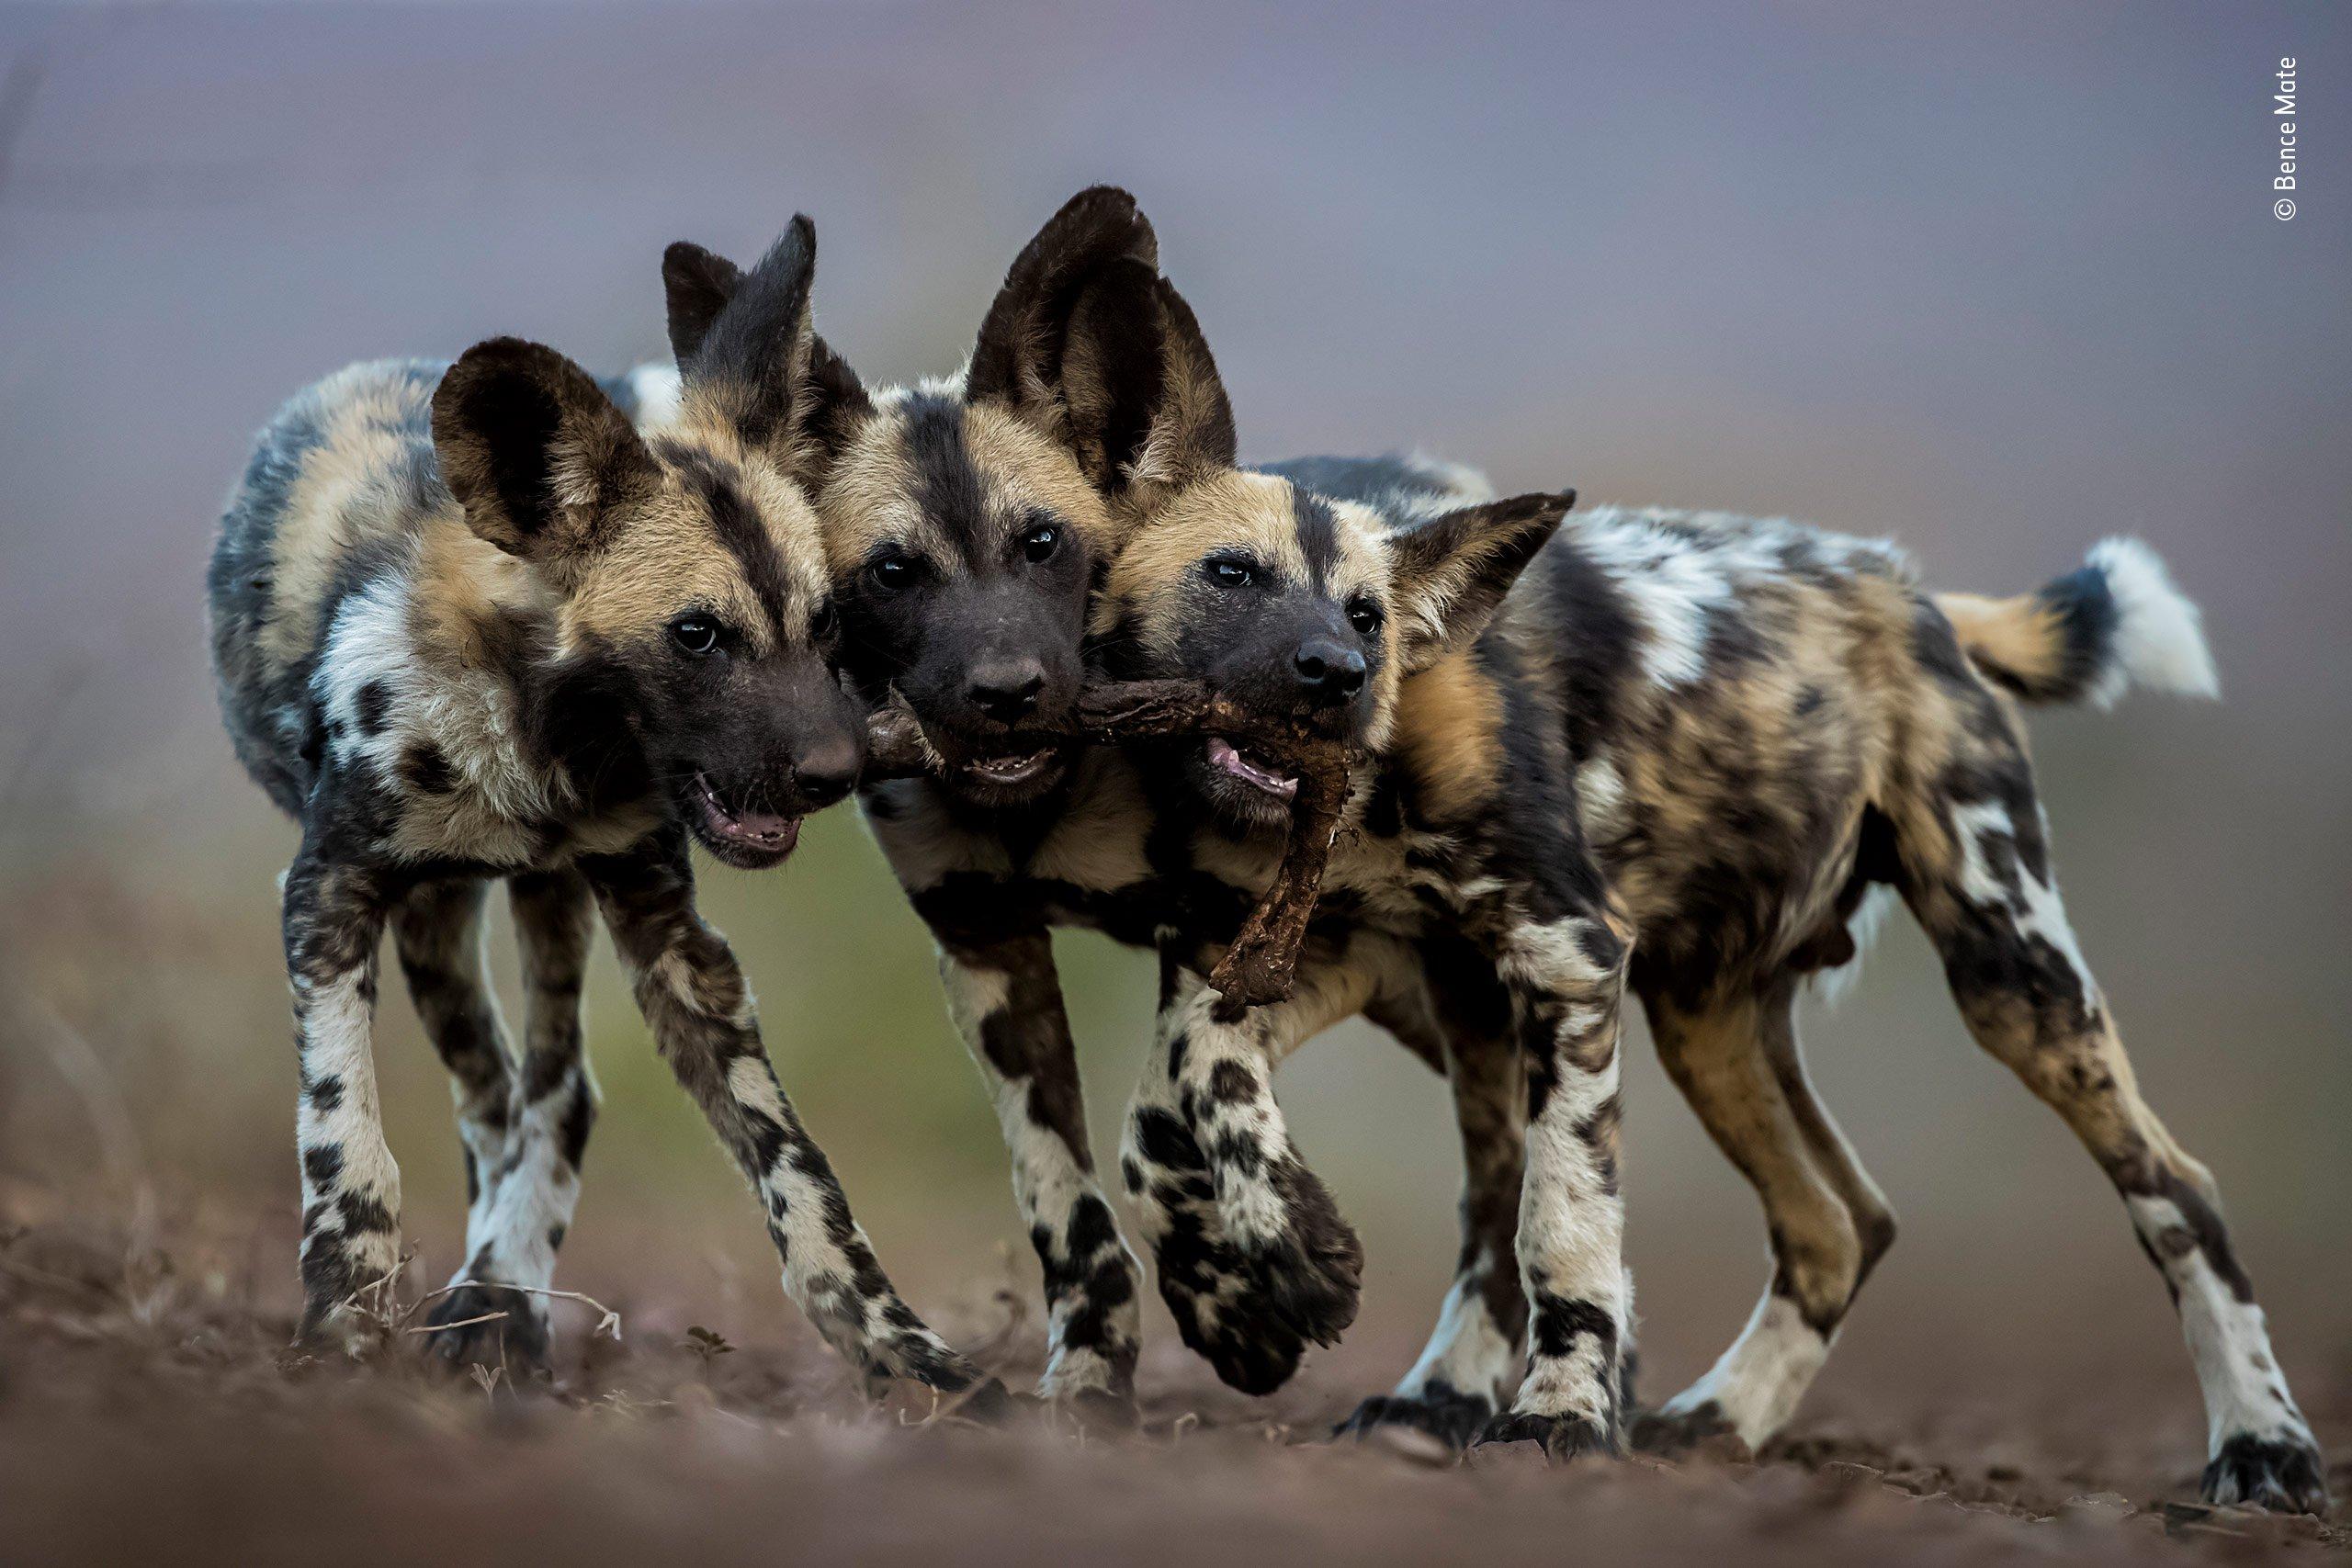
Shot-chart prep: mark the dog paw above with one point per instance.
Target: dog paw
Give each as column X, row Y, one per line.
column 1561, row 1438
column 1672, row 1431
column 1220, row 1312
column 1090, row 1382
column 1438, row 1416
column 482, row 1326
column 2282, row 1473
column 1309, row 1275
column 1248, row 1351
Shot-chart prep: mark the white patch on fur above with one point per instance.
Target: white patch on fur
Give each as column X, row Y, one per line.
column 500, row 792
column 753, row 1084
column 1760, row 1381
column 972, row 993
column 523, row 1212
column 1466, row 1351
column 1679, row 568
column 2244, row 1390
column 2036, row 909
column 2159, row 639
column 1833, row 986
column 1550, row 956
column 337, row 1042
column 1600, row 797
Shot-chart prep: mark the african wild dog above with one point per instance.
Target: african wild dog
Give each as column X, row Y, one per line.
column 1741, row 727
column 1678, row 758
column 964, row 543
column 469, row 623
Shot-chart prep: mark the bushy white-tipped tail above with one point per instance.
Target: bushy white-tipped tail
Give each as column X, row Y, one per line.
column 2159, row 637
column 2114, row 623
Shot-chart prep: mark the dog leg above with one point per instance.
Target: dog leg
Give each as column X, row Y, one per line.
column 1006, row 1001
column 695, row 998
column 1566, row 976
column 1473, row 1356
column 1978, row 876
column 437, row 932
column 334, row 915
column 1736, row 1061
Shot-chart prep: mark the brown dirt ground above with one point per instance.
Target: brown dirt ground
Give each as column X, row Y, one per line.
column 151, row 1410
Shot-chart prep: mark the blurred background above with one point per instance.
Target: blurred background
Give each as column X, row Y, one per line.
column 1995, row 281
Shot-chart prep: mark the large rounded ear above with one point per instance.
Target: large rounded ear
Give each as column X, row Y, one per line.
column 1088, row 344
column 697, row 284
column 1134, row 391
column 533, row 450
column 749, row 362
column 1146, row 408
column 1450, row 573
column 1018, row 355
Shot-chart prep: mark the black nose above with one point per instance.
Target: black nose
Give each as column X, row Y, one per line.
column 826, row 773
column 1327, row 673
column 1007, row 692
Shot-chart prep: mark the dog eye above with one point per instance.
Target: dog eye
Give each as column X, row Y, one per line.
column 1038, row 543
column 696, row 634
column 1365, row 616
column 1228, row 572
column 893, row 572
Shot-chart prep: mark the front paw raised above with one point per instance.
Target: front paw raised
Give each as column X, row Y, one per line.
column 1561, row 1438
column 1308, row 1273
column 1248, row 1350
column 2280, row 1472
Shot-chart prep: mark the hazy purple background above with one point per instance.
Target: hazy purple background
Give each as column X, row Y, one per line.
column 1994, row 279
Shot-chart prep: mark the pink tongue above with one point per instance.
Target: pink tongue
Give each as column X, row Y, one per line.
column 1222, row 752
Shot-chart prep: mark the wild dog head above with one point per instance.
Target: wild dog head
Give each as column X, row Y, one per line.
column 695, row 620
column 1299, row 605
column 961, row 522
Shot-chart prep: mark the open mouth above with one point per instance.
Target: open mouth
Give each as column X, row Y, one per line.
column 1019, row 768
column 759, row 834
column 1253, row 770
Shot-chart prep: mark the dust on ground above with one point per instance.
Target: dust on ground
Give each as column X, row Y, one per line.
column 151, row 1409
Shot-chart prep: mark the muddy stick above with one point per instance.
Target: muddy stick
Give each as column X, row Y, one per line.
column 1260, row 965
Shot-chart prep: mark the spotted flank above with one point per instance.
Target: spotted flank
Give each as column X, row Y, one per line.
column 494, row 621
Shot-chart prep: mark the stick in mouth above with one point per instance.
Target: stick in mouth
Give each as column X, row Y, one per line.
column 1275, row 755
